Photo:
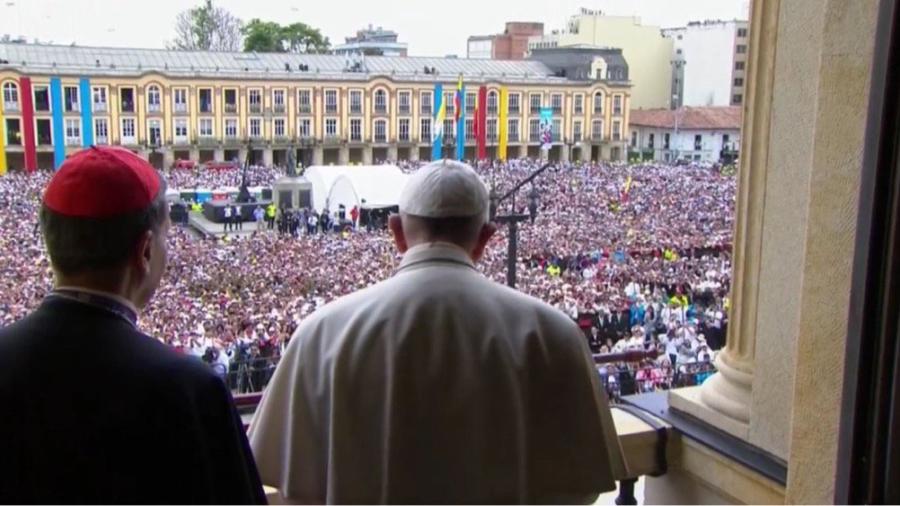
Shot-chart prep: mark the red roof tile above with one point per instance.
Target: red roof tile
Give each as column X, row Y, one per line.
column 690, row 118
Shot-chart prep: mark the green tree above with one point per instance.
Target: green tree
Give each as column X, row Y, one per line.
column 302, row 38
column 207, row 28
column 268, row 36
column 263, row 36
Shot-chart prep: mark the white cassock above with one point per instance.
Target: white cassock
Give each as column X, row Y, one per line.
column 436, row 386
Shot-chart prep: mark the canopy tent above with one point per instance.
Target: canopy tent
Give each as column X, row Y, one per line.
column 335, row 185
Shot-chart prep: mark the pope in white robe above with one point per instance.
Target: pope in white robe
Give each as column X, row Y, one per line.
column 437, row 385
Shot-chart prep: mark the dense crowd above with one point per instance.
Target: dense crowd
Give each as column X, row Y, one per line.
column 639, row 256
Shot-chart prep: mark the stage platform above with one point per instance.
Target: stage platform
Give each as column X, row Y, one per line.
column 200, row 223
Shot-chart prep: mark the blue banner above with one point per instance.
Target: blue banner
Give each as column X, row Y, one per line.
column 546, row 128
column 59, row 129
column 461, row 123
column 87, row 114
column 437, row 123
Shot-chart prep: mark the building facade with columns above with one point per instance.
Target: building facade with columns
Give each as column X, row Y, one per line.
column 204, row 106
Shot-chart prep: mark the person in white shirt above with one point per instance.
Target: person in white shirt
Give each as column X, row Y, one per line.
column 228, row 222
column 437, row 385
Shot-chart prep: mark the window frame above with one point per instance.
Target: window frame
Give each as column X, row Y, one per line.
column 11, row 88
column 97, row 136
column 72, row 125
column 356, row 130
column 200, row 125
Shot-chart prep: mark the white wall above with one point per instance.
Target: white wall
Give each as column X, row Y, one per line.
column 480, row 49
column 683, row 143
column 708, row 51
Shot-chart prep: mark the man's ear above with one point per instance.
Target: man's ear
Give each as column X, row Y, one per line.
column 484, row 236
column 143, row 252
column 395, row 224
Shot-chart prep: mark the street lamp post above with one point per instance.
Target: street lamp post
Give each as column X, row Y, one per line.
column 512, row 220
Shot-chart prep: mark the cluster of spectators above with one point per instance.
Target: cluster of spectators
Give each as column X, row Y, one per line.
column 638, row 255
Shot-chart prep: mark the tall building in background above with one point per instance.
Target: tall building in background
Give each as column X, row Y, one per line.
column 512, row 44
column 648, row 53
column 315, row 109
column 372, row 42
column 708, row 63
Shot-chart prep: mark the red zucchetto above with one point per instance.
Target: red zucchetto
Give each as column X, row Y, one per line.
column 102, row 182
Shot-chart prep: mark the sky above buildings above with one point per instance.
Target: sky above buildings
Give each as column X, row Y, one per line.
column 430, row 28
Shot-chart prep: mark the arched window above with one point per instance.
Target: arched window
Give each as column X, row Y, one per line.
column 153, row 100
column 380, row 101
column 10, row 96
column 598, row 102
column 492, row 102
column 380, row 131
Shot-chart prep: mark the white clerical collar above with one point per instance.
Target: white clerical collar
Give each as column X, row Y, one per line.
column 118, row 298
column 437, row 251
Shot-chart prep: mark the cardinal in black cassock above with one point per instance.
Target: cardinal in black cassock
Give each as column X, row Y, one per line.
column 94, row 410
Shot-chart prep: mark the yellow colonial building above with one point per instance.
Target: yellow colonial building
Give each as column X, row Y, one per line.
column 204, row 106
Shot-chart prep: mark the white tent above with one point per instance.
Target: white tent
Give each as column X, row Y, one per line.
column 333, row 185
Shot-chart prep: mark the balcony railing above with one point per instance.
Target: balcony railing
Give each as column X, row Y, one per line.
column 255, row 108
column 617, row 111
column 331, row 140
column 534, row 137
column 180, row 141
column 153, row 108
column 101, row 139
column 379, row 139
column 278, row 108
column 578, row 110
column 304, row 109
column 514, row 110
column 514, row 137
column 100, row 106
column 11, row 106
column 492, row 110
column 230, row 108
column 282, row 139
column 73, row 141
column 356, row 138
column 180, row 108
column 127, row 106
column 331, row 108
column 354, row 109
column 598, row 110
column 596, row 137
column 207, row 141
column 426, row 110
column 404, row 110
column 380, row 109
column 129, row 141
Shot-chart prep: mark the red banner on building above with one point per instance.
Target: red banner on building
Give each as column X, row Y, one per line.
column 28, row 124
column 481, row 123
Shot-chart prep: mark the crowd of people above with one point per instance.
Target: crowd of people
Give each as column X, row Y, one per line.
column 638, row 255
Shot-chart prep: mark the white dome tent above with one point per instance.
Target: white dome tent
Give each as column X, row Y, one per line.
column 335, row 185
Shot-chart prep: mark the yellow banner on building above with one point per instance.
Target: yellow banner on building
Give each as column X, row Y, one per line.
column 504, row 123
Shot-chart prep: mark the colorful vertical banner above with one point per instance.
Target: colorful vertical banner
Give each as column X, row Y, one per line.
column 87, row 112
column 503, row 123
column 27, row 98
column 481, row 122
column 59, row 131
column 437, row 124
column 460, row 109
column 546, row 128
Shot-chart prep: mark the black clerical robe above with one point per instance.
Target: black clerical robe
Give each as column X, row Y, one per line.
column 94, row 411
